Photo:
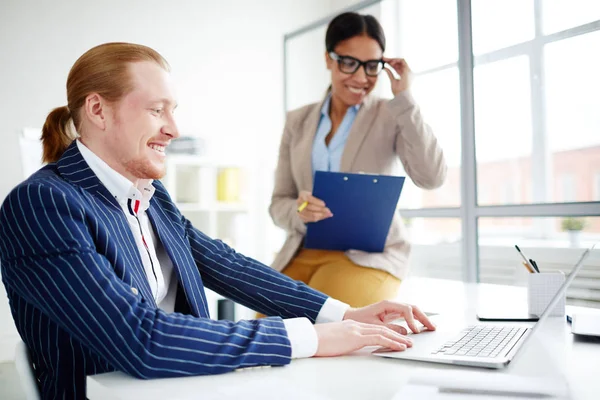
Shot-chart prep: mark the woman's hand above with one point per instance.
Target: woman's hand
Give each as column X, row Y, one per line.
column 401, row 67
column 315, row 209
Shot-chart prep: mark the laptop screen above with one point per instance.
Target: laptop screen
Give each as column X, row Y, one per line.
column 560, row 292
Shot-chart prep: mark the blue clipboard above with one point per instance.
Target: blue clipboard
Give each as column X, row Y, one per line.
column 363, row 206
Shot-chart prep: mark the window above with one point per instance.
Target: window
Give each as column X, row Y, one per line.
column 560, row 15
column 432, row 54
column 501, row 23
column 422, row 45
column 533, row 120
column 503, row 133
column 567, row 188
column 445, row 235
column 572, row 117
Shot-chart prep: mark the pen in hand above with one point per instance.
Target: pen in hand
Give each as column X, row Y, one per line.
column 302, row 206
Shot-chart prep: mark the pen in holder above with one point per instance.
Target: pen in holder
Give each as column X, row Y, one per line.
column 541, row 288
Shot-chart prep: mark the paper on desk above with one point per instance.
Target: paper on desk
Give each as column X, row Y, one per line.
column 427, row 384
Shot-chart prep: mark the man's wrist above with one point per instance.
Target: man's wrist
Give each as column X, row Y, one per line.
column 348, row 313
column 332, row 311
column 302, row 336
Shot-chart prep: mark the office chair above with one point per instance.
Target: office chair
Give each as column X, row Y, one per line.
column 25, row 371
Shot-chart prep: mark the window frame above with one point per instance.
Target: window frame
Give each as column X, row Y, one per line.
column 470, row 211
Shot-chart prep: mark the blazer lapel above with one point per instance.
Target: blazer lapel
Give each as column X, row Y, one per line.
column 187, row 272
column 73, row 168
column 358, row 132
column 306, row 145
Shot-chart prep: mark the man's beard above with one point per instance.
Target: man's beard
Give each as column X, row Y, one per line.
column 145, row 169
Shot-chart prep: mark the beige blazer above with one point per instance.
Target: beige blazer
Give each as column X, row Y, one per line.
column 384, row 133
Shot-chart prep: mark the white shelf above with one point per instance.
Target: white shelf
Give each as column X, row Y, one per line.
column 202, row 161
column 231, row 207
column 192, row 182
column 217, row 207
column 192, row 207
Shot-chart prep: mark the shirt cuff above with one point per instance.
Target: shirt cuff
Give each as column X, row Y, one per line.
column 302, row 336
column 332, row 311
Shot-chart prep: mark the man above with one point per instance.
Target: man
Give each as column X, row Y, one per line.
column 103, row 273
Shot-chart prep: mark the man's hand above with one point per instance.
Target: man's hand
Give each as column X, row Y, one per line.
column 339, row 338
column 385, row 311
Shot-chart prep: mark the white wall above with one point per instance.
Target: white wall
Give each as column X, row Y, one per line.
column 226, row 58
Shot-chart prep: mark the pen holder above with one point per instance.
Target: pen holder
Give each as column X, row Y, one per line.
column 541, row 288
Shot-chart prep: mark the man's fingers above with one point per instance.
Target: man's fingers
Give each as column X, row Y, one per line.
column 381, row 340
column 410, row 320
column 391, row 316
column 387, row 332
column 397, row 328
column 420, row 315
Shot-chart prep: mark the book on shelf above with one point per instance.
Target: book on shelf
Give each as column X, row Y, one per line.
column 229, row 185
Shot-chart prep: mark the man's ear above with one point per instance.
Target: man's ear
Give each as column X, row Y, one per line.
column 96, row 110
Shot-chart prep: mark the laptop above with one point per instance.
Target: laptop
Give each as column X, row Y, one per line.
column 482, row 345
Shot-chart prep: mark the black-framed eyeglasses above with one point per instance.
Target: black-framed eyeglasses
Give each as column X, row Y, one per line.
column 350, row 65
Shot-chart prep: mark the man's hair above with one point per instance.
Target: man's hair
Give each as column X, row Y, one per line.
column 102, row 70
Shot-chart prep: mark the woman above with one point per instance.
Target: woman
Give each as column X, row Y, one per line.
column 352, row 131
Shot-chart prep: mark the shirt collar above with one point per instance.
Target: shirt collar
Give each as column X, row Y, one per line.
column 327, row 102
column 120, row 187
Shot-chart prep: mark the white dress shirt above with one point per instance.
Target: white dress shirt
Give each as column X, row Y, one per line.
column 134, row 200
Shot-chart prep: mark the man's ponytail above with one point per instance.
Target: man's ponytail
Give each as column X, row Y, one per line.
column 57, row 134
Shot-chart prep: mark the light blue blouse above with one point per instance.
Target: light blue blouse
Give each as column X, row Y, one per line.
column 328, row 158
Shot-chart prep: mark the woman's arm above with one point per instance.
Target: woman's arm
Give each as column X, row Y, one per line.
column 283, row 208
column 416, row 145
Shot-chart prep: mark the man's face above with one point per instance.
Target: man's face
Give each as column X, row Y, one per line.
column 142, row 124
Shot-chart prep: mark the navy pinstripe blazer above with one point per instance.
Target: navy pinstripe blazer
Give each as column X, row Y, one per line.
column 82, row 303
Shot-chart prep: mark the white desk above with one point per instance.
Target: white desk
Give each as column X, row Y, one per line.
column 554, row 353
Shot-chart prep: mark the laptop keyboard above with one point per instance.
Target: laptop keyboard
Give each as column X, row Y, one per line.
column 482, row 341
